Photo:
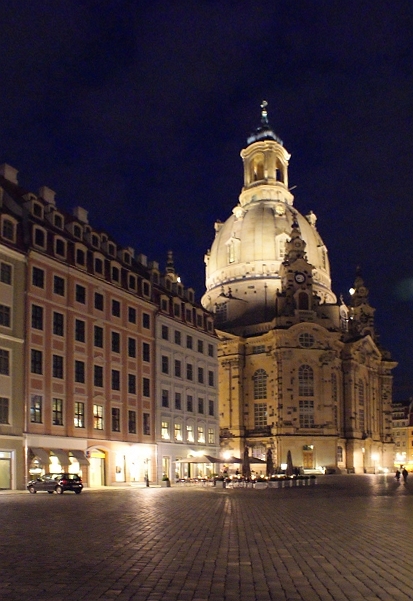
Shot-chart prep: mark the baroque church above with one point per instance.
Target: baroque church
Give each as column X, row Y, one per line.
column 300, row 373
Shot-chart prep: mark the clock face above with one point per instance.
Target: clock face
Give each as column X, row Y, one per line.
column 299, row 278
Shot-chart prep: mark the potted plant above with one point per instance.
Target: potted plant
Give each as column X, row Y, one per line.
column 165, row 482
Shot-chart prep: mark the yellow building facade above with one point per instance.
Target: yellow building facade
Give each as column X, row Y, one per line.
column 300, row 373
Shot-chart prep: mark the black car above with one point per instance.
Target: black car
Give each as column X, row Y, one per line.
column 56, row 483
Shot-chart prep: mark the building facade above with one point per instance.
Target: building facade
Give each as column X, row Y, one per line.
column 187, row 421
column 299, row 372
column 78, row 357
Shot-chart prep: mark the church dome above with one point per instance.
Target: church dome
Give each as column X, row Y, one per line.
column 243, row 264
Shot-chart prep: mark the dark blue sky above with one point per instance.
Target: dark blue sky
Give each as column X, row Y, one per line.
column 137, row 111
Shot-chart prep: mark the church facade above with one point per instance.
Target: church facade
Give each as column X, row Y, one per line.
column 300, row 373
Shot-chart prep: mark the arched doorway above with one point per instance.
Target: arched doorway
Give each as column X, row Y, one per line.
column 96, row 468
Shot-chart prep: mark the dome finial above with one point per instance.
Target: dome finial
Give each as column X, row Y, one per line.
column 264, row 114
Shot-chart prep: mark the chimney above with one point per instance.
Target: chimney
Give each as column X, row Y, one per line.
column 47, row 194
column 81, row 214
column 9, row 173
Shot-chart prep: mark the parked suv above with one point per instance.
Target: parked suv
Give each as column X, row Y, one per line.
column 56, row 483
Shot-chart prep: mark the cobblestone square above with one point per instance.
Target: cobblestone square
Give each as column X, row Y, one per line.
column 348, row 538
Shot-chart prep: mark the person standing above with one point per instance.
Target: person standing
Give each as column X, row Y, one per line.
column 405, row 474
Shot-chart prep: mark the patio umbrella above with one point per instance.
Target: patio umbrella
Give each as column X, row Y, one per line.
column 290, row 469
column 270, row 464
column 246, row 470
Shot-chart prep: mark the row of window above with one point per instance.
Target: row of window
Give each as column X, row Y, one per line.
column 178, row 404
column 305, row 382
column 37, row 322
column 36, row 367
column 101, row 267
column 190, row 434
column 59, row 288
column 79, row 419
column 165, row 334
column 165, row 368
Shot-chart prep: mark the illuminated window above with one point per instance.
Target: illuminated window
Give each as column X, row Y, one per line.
column 306, row 414
column 57, row 412
column 260, row 384
column 190, row 433
column 305, row 381
column 211, row 436
column 36, row 409
column 98, row 417
column 79, row 417
column 201, row 434
column 260, row 414
column 165, row 431
column 178, row 431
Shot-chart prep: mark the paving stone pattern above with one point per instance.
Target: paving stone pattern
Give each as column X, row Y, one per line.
column 349, row 538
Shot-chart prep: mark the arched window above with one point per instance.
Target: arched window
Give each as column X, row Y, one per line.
column 303, row 301
column 260, row 384
column 305, row 381
column 279, row 172
column 257, row 168
column 361, row 404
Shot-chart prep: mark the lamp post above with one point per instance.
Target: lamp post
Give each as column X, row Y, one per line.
column 146, row 462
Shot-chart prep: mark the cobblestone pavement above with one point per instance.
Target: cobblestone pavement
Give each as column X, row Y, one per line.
column 346, row 538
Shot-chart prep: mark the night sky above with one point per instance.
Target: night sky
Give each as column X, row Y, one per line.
column 137, row 111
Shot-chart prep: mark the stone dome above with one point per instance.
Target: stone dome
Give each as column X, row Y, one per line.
column 242, row 266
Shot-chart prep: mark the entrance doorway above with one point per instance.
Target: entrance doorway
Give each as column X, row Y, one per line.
column 308, row 460
column 5, row 470
column 97, row 469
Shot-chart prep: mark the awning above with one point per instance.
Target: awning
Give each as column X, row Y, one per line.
column 200, row 459
column 62, row 456
column 41, row 454
column 80, row 456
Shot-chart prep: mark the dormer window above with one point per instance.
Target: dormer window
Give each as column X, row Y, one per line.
column 80, row 257
column 111, row 249
column 127, row 258
column 8, row 230
column 58, row 221
column 77, row 231
column 132, row 282
column 164, row 305
column 115, row 274
column 39, row 237
column 95, row 240
column 60, row 247
column 146, row 289
column 98, row 265
column 37, row 210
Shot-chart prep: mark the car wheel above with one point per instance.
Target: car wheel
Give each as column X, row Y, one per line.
column 78, row 492
column 32, row 490
column 59, row 490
